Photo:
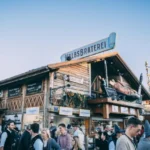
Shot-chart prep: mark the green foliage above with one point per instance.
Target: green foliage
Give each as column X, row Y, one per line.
column 76, row 100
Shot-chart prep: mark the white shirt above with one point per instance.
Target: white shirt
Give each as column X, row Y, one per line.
column 112, row 145
column 3, row 138
column 45, row 143
column 81, row 137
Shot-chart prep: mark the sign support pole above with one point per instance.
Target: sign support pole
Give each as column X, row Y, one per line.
column 106, row 72
column 22, row 109
column 46, row 93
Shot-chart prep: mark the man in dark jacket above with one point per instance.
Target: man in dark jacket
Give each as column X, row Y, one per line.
column 36, row 142
column 144, row 143
column 25, row 139
column 7, row 138
column 52, row 130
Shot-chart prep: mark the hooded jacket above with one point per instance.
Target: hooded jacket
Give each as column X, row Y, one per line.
column 144, row 143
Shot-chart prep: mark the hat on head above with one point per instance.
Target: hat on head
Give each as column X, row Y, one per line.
column 69, row 126
column 117, row 129
column 147, row 129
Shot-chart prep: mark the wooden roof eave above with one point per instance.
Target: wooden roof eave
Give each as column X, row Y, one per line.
column 83, row 60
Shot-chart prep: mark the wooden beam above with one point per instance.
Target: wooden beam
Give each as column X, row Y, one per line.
column 110, row 101
column 137, row 113
column 22, row 109
column 106, row 111
column 45, row 103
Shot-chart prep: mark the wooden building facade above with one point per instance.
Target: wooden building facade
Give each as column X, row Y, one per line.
column 84, row 79
column 22, row 92
column 72, row 91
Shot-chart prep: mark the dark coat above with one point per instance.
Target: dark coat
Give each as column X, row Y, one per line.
column 53, row 129
column 103, row 145
column 10, row 140
column 51, row 144
column 24, row 142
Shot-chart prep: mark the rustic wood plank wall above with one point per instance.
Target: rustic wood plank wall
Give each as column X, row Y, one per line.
column 79, row 71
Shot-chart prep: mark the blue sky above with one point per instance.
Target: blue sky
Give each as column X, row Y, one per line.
column 34, row 33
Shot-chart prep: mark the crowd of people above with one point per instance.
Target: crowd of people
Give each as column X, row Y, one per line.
column 61, row 138
column 135, row 137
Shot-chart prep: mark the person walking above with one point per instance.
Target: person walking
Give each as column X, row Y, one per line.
column 49, row 143
column 7, row 137
column 36, row 142
column 144, row 143
column 78, row 133
column 64, row 140
column 118, row 133
column 25, row 139
column 52, row 130
column 126, row 141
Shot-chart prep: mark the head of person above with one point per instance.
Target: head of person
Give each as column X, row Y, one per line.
column 11, row 125
column 62, row 128
column 134, row 126
column 118, row 131
column 35, row 128
column 108, row 129
column 28, row 128
column 69, row 126
column 51, row 123
column 45, row 134
column 75, row 126
column 103, row 136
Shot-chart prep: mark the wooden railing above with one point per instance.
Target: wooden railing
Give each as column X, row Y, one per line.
column 34, row 101
column 2, row 104
column 14, row 104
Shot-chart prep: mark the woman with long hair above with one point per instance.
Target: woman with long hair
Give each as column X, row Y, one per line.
column 76, row 143
column 49, row 143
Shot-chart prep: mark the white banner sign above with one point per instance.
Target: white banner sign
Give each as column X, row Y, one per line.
column 115, row 108
column 65, row 111
column 84, row 113
column 124, row 110
column 132, row 111
column 32, row 110
column 91, row 49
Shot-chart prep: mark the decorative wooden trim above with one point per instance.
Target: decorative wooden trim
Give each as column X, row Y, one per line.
column 2, row 104
column 107, row 109
column 36, row 100
column 109, row 100
column 14, row 104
